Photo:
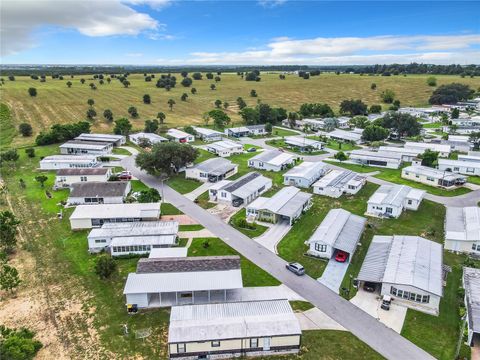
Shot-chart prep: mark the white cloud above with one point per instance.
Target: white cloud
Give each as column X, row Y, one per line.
column 353, row 50
column 136, row 55
column 271, row 3
column 89, row 17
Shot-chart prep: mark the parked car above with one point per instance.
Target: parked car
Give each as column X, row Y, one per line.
column 252, row 149
column 296, row 268
column 386, row 302
column 237, row 202
column 369, row 286
column 341, row 256
column 125, row 175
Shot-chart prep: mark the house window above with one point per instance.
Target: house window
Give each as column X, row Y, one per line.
column 470, row 170
column 409, row 202
column 224, row 194
column 320, row 247
column 476, row 247
column 425, row 298
column 393, row 291
column 430, row 178
column 388, row 210
column 407, row 173
column 254, row 343
column 100, row 241
column 456, row 169
column 181, row 348
column 83, row 178
column 215, row 343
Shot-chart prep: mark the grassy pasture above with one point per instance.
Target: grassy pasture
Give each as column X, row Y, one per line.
column 56, row 103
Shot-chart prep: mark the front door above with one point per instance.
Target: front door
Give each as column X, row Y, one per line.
column 266, row 343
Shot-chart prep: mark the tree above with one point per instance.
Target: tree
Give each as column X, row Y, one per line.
column 282, row 77
column 82, row 81
column 218, row 103
column 450, row 94
column 126, row 83
column 197, row 76
column 292, row 119
column 374, row 133
column 18, row 344
column 41, row 179
column 353, row 107
column 373, row 86
column 32, row 92
column 11, row 77
column 268, row 128
column 429, row 158
column 144, row 143
column 161, row 117
column 360, row 122
column 166, row 158
column 91, row 113
column 186, row 82
column 90, row 102
column 241, row 103
column 184, row 97
column 170, row 103
column 92, row 86
column 252, row 76
column 474, row 137
column 190, row 130
column 375, row 109
column 340, row 156
column 432, row 81
column 61, row 133
column 218, row 78
column 213, row 87
column 8, row 231
column 9, row 279
column 209, row 76
column 193, row 91
column 249, row 115
column 387, row 96
column 184, row 74
column 10, row 156
column 69, row 84
column 30, row 152
column 220, row 118
column 122, row 126
column 105, row 266
column 253, row 93
column 455, row 113
column 147, row 99
column 225, row 105
column 132, row 110
column 151, row 126
column 316, row 109
column 403, row 124
column 108, row 114
column 25, row 129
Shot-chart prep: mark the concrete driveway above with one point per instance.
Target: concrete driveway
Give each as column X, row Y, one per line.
column 370, row 303
column 273, row 236
column 314, row 319
column 334, row 273
column 199, row 191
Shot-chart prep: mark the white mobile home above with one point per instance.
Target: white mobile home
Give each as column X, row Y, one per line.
column 314, row 124
column 305, row 174
column 116, row 140
column 88, row 216
column 67, row 177
column 231, row 330
column 225, row 148
column 458, row 143
column 55, row 162
column 241, row 191
column 339, row 230
column 256, row 130
column 142, row 137
column 433, row 177
column 287, row 205
column 338, row 182
column 164, row 282
column 407, row 268
column 390, row 160
column 471, row 168
column 77, row 147
column 443, row 150
column 237, row 132
column 180, row 136
column 471, row 284
column 462, row 229
column 168, row 252
column 212, row 170
column 101, row 192
column 407, row 155
column 272, row 160
column 208, row 134
column 344, row 135
column 472, row 156
column 303, row 144
column 391, row 200
column 139, row 237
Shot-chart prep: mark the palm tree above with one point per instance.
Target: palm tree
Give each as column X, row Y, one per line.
column 171, row 102
column 161, row 117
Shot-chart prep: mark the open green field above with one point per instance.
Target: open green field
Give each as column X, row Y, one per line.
column 256, row 229
column 56, row 103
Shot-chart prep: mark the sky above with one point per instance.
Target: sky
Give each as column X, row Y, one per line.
column 263, row 32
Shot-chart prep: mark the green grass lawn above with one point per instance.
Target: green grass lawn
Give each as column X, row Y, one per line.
column 474, row 180
column 178, row 183
column 138, row 185
column 280, row 143
column 242, row 161
column 336, row 145
column 298, row 305
column 355, row 167
column 251, row 233
column 193, row 227
column 119, row 151
column 169, row 209
column 203, row 155
column 434, row 125
column 251, row 273
column 7, row 127
column 277, row 131
column 203, row 202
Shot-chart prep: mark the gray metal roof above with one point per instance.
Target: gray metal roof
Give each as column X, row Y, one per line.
column 340, row 229
column 434, row 173
column 99, row 189
column 216, row 166
column 137, row 228
column 376, row 155
column 188, row 264
column 295, row 204
column 287, row 201
column 306, row 170
column 100, row 137
column 346, row 135
column 301, row 141
column 206, row 131
column 223, row 145
column 255, row 127
column 83, row 144
column 80, row 171
column 395, row 195
column 234, row 320
column 153, row 138
column 471, row 283
column 338, row 179
column 411, row 260
column 274, row 157
column 247, row 184
column 462, row 224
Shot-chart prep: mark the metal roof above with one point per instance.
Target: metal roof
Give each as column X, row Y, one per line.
column 160, row 240
column 346, row 135
column 80, row 171
column 225, row 145
column 99, row 189
column 307, row 170
column 183, row 281
column 434, row 173
column 411, row 260
column 88, row 145
column 395, row 195
column 206, row 132
column 137, row 228
column 168, row 252
column 178, row 134
column 471, row 283
column 234, row 320
column 69, row 158
column 273, row 157
column 400, row 150
column 101, row 137
column 247, row 184
column 376, row 155
column 473, row 156
column 287, row 201
column 431, row 146
column 240, row 129
column 102, row 211
column 188, row 264
column 153, row 138
column 301, row 141
column 340, row 229
column 338, row 179
column 462, row 223
column 459, row 163
column 216, row 166
column 255, row 127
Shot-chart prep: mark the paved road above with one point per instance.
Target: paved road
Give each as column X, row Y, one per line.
column 366, row 328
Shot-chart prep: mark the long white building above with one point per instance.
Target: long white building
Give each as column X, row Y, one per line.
column 67, row 177
column 225, row 148
column 443, row 150
column 391, row 200
column 462, row 229
column 304, row 174
column 433, row 177
column 272, row 160
column 55, row 162
column 338, row 182
column 116, row 140
column 386, row 159
column 77, row 147
column 470, row 168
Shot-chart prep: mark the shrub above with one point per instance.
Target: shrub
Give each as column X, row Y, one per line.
column 105, row 266
column 25, row 129
column 30, row 152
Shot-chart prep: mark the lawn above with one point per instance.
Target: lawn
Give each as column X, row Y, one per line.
column 280, row 143
column 137, row 185
column 279, row 131
column 251, row 273
column 355, row 167
column 203, row 155
column 169, row 209
column 203, row 201
column 7, row 127
column 298, row 305
column 178, row 183
column 434, row 125
column 256, row 230
column 119, row 151
column 474, row 180
column 193, row 227
column 55, row 103
column 336, row 145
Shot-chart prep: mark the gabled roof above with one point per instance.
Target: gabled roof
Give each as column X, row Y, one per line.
column 395, row 195
column 434, row 173
column 98, row 189
column 340, row 229
column 206, row 131
column 338, row 179
column 216, row 166
column 287, row 201
column 80, row 171
column 306, row 170
column 376, row 155
column 246, row 185
column 346, row 135
column 178, row 134
column 188, row 264
column 462, row 224
column 153, row 138
column 301, row 141
column 432, row 146
column 102, row 211
column 273, row 157
column 100, row 137
column 459, row 163
column 410, row 260
column 88, row 145
column 138, row 228
column 471, row 283
column 225, row 145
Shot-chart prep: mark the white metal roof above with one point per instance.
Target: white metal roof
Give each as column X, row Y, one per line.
column 338, row 179
column 239, row 129
column 245, row 185
column 69, row 158
column 462, row 224
column 138, row 228
column 225, row 145
column 432, row 146
column 168, row 252
column 101, row 137
column 376, row 155
column 301, row 141
column 473, row 156
column 287, row 201
column 459, row 163
column 178, row 134
column 160, row 240
column 307, row 170
column 340, row 229
column 216, row 166
column 140, row 210
column 431, row 172
column 183, row 281
column 274, row 157
column 400, row 150
column 411, row 260
column 206, row 131
column 153, row 138
column 235, row 320
column 471, row 283
column 85, row 145
column 346, row 135
column 395, row 195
